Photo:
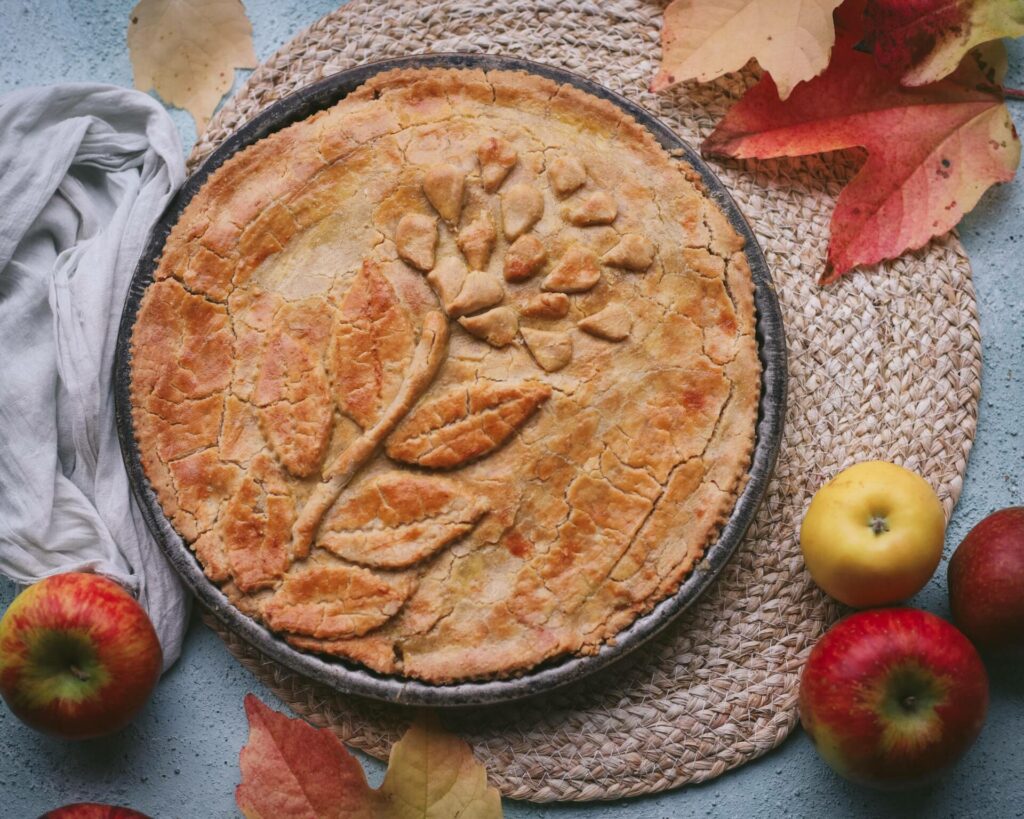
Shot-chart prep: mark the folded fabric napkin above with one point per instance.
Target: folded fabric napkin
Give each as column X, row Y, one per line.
column 85, row 170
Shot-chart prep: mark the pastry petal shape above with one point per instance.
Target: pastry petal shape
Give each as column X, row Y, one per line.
column 566, row 174
column 416, row 240
column 521, row 208
column 498, row 327
column 479, row 291
column 497, row 158
column 576, row 272
column 524, row 257
column 444, row 186
column 465, row 423
column 633, row 252
column 400, row 519
column 447, row 279
column 476, row 240
column 613, row 323
column 551, row 350
column 546, row 305
column 599, row 208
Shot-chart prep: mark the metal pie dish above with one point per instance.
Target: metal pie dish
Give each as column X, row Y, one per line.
column 351, row 678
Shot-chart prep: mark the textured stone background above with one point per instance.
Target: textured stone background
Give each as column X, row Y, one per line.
column 180, row 757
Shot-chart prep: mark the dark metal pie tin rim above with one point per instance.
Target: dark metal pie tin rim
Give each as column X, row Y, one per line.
column 351, row 678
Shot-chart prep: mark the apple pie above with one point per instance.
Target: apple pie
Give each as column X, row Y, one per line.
column 450, row 379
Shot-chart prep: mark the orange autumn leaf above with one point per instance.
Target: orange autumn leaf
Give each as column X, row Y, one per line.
column 704, row 39
column 931, row 151
column 291, row 770
column 187, row 51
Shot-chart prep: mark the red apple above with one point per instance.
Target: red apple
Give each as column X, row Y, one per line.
column 93, row 810
column 78, row 656
column 890, row 697
column 986, row 581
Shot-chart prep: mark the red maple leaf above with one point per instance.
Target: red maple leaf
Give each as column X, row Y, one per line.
column 924, row 40
column 931, row 151
column 291, row 769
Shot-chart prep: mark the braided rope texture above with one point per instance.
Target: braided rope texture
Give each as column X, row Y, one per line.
column 885, row 364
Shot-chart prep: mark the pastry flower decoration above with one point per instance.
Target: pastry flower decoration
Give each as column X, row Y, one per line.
column 474, row 297
column 378, row 375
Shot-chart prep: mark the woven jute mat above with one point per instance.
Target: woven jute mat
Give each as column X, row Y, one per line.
column 883, row 365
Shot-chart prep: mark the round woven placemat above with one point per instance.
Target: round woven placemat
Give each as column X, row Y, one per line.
column 883, row 365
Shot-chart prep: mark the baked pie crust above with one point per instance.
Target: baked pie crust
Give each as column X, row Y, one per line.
column 452, row 378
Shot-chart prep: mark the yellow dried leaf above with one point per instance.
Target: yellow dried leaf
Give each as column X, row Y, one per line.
column 704, row 39
column 187, row 51
column 434, row 774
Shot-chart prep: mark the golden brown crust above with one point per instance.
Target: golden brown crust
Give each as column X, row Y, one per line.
column 464, row 508
column 399, row 519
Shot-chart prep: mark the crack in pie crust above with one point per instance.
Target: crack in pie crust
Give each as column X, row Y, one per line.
column 452, row 378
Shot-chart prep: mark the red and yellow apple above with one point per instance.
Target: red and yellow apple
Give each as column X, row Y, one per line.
column 986, row 581
column 873, row 534
column 93, row 810
column 78, row 656
column 891, row 697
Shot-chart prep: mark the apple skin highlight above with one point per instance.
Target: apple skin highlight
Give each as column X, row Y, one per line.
column 892, row 697
column 78, row 656
column 986, row 581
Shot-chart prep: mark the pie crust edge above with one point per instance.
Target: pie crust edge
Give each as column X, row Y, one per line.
column 234, row 222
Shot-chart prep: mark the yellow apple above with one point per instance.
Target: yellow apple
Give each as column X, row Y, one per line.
column 873, row 534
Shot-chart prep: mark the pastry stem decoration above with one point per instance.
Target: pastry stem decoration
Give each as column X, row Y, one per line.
column 426, row 361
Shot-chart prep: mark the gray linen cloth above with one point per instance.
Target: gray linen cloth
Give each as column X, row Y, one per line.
column 85, row 170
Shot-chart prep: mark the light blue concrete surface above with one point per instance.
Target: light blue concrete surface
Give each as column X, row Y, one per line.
column 180, row 757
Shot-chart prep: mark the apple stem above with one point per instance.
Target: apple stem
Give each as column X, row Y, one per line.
column 908, row 703
column 78, row 674
column 1013, row 93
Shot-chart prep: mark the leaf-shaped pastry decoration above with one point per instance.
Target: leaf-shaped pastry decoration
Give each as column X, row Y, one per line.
column 255, row 527
column 465, row 423
column 333, row 602
column 372, row 344
column 292, row 393
column 399, row 519
column 427, row 359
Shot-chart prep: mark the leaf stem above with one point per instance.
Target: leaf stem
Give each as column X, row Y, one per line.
column 426, row 361
column 1014, row 93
